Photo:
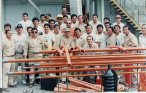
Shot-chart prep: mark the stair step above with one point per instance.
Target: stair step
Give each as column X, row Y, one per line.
column 124, row 15
column 132, row 24
column 127, row 18
column 118, row 9
column 121, row 12
column 130, row 21
column 113, row 4
column 110, row 1
column 135, row 27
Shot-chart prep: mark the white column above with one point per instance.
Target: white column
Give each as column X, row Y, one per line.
column 1, row 43
column 76, row 7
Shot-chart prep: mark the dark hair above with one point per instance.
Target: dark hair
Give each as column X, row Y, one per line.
column 35, row 18
column 65, row 16
column 63, row 6
column 90, row 36
column 100, row 25
column 111, row 28
column 127, row 27
column 7, row 31
column 56, row 26
column 25, row 14
column 88, row 25
column 42, row 15
column 95, row 15
column 7, row 24
column 46, row 24
column 77, row 29
column 79, row 16
column 52, row 20
column 29, row 27
column 117, row 26
column 108, row 23
column 34, row 29
column 73, row 15
column 106, row 18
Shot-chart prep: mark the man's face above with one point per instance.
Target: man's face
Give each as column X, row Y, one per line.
column 74, row 19
column 126, row 31
column 34, row 33
column 116, row 29
column 46, row 28
column 143, row 29
column 89, row 29
column 59, row 19
column 68, row 24
column 64, row 19
column 52, row 24
column 42, row 18
column 100, row 29
column 77, row 33
column 89, row 40
column 67, row 33
column 9, row 34
column 29, row 31
column 64, row 10
column 109, row 31
column 24, row 17
column 35, row 23
column 19, row 30
column 118, row 19
column 56, row 29
column 94, row 18
column 107, row 26
column 80, row 19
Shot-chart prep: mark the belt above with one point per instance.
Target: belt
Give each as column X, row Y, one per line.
column 10, row 56
column 19, row 52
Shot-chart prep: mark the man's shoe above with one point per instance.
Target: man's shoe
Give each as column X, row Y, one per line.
column 31, row 85
column 23, row 82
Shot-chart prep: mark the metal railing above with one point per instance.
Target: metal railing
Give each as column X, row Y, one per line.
column 132, row 10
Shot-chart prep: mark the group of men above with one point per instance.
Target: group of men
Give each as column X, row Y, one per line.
column 70, row 31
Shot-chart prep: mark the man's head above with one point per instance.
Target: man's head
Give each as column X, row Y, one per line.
column 118, row 18
column 77, row 32
column 67, row 32
column 117, row 29
column 126, row 30
column 19, row 28
column 106, row 19
column 51, row 23
column 35, row 21
column 8, row 33
column 59, row 18
column 73, row 18
column 80, row 19
column 7, row 26
column 56, row 28
column 107, row 25
column 64, row 10
column 29, row 31
column 42, row 17
column 95, row 18
column 68, row 23
column 65, row 17
column 46, row 27
column 25, row 16
column 89, row 29
column 89, row 40
column 99, row 28
column 34, row 32
column 110, row 31
column 143, row 28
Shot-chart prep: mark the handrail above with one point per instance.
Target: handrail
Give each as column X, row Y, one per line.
column 132, row 10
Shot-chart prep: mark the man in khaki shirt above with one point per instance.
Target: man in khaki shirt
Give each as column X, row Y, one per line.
column 67, row 40
column 33, row 44
column 130, row 39
column 8, row 51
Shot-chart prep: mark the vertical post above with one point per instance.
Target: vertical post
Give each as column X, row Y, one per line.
column 1, row 44
column 138, row 17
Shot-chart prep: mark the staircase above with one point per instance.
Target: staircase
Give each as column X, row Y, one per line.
column 130, row 12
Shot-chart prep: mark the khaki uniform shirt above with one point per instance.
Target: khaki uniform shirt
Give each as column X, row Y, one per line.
column 8, row 47
column 94, row 46
column 32, row 46
column 130, row 41
column 111, row 40
column 68, row 42
column 79, row 42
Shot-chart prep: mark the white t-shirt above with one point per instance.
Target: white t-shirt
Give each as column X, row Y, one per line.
column 102, row 39
column 119, row 39
column 26, row 24
column 94, row 26
column 20, row 42
column 142, row 42
column 121, row 25
column 48, row 39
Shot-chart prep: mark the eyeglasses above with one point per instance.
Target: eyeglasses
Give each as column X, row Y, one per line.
column 34, row 32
